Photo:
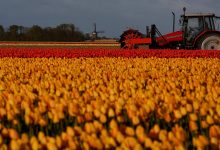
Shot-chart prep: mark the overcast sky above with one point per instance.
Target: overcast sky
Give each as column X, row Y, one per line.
column 112, row 16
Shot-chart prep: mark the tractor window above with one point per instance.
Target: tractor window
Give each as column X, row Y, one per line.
column 194, row 27
column 217, row 24
column 195, row 23
column 207, row 23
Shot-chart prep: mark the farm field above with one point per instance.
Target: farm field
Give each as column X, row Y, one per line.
column 107, row 99
column 88, row 44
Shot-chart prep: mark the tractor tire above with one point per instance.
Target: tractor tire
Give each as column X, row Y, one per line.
column 209, row 42
column 129, row 34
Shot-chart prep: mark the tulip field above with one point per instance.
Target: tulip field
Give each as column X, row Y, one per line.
column 60, row 98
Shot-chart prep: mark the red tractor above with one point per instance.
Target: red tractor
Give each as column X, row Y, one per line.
column 198, row 31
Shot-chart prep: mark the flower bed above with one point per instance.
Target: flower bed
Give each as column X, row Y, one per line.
column 109, row 103
column 101, row 52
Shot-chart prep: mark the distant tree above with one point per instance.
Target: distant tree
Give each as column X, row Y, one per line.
column 15, row 33
column 35, row 33
column 66, row 27
column 49, row 34
column 78, row 36
column 12, row 33
column 2, row 32
column 21, row 33
column 63, row 32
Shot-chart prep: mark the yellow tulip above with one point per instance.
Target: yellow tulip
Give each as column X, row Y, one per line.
column 214, row 143
column 34, row 143
column 193, row 126
column 214, row 131
column 14, row 145
column 167, row 117
column 195, row 105
column 1, row 140
column 13, row 134
column 88, row 116
column 70, row 131
column 177, row 114
column 51, row 146
column 209, row 120
column 135, row 120
column 140, row 133
column 183, row 111
column 103, row 119
column 24, row 138
column 163, row 135
column 5, row 132
column 120, row 137
column 111, row 113
column 147, row 143
column 204, row 124
column 218, row 110
column 129, row 131
column 189, row 108
column 193, row 117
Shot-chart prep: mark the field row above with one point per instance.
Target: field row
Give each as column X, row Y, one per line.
column 103, row 52
column 89, row 44
column 109, row 103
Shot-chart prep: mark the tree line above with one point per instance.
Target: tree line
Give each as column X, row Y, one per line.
column 60, row 33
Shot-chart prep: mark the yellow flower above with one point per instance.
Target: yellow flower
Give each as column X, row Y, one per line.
column 147, row 142
column 218, row 110
column 1, row 140
column 5, row 132
column 58, row 142
column 167, row 117
column 140, row 133
column 193, row 126
column 89, row 128
column 14, row 145
column 183, row 111
column 195, row 105
column 70, row 131
column 163, row 135
column 120, row 137
column 88, row 116
column 34, row 143
column 103, row 119
column 111, row 113
column 204, row 124
column 214, row 131
column 209, row 120
column 24, row 138
column 189, row 108
column 135, row 120
column 51, row 146
column 177, row 114
column 13, row 134
column 130, row 142
column 129, row 131
column 193, row 117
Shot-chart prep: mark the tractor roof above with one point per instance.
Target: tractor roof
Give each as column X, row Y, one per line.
column 199, row 14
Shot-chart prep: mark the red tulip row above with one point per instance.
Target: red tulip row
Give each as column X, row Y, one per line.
column 101, row 52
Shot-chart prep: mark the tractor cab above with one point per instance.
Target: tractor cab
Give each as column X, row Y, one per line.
column 195, row 24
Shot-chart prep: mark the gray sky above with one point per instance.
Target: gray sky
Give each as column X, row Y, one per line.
column 112, row 16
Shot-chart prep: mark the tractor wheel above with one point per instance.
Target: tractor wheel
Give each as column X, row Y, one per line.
column 127, row 35
column 209, row 42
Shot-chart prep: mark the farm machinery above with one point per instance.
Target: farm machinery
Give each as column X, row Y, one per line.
column 198, row 31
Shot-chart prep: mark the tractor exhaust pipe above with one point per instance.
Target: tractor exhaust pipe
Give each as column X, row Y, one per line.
column 147, row 31
column 174, row 19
